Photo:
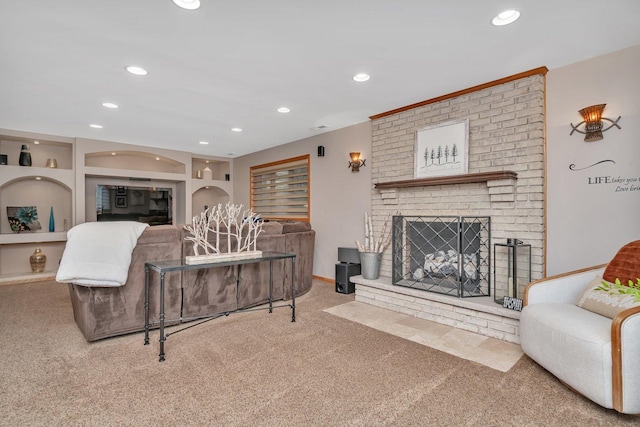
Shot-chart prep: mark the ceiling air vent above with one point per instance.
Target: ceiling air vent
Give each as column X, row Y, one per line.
column 320, row 127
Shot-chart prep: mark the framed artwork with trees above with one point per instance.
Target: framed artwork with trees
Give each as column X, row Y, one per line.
column 442, row 149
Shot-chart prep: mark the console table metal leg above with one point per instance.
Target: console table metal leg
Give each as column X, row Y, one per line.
column 146, row 305
column 161, row 318
column 270, row 286
column 293, row 289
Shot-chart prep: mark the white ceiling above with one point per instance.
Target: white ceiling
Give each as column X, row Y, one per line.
column 232, row 63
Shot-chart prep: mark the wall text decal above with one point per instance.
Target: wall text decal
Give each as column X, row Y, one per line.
column 573, row 166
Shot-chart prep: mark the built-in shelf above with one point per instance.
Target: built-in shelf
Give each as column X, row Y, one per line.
column 43, row 237
column 452, row 179
column 12, row 173
column 12, row 279
column 197, row 184
column 48, row 189
column 129, row 160
column 133, row 175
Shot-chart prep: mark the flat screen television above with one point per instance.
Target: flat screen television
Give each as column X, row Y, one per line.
column 151, row 205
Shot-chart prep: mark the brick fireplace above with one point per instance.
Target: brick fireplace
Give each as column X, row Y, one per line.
column 505, row 182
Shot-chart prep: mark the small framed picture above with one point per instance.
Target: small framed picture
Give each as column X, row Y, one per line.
column 121, row 201
column 121, row 191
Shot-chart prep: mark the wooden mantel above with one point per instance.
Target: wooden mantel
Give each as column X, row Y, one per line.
column 453, row 179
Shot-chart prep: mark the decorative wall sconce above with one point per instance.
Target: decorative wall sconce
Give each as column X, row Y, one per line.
column 592, row 119
column 356, row 162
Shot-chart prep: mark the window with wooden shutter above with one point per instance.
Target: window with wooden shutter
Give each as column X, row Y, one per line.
column 280, row 190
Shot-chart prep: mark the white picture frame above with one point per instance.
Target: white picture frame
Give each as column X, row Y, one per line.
column 442, row 149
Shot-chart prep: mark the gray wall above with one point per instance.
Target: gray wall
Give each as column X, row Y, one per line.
column 588, row 218
column 339, row 197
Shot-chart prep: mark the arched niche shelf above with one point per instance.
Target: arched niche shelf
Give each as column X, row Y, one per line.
column 208, row 196
column 134, row 160
column 45, row 194
column 35, row 178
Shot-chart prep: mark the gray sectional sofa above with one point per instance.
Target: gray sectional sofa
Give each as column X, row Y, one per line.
column 102, row 312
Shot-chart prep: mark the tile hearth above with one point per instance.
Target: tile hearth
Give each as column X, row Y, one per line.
column 480, row 315
column 491, row 352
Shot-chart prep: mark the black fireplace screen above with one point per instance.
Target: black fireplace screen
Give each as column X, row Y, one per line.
column 444, row 254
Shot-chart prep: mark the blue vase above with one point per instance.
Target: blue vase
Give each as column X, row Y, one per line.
column 52, row 222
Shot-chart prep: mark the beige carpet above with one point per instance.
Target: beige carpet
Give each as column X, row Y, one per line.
column 260, row 369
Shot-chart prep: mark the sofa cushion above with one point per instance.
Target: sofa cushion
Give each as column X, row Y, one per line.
column 625, row 265
column 271, row 228
column 606, row 298
column 160, row 234
column 295, row 227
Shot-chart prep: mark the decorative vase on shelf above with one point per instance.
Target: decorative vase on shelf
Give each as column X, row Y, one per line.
column 25, row 156
column 52, row 221
column 207, row 173
column 38, row 261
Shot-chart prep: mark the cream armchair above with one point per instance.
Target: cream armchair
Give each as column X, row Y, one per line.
column 597, row 356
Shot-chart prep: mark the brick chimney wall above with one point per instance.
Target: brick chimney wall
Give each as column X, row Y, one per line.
column 506, row 133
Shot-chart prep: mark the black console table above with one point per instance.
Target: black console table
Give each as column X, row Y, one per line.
column 163, row 267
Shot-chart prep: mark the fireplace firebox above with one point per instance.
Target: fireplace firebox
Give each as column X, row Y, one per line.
column 445, row 254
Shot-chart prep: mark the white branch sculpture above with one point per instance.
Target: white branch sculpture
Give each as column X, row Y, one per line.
column 223, row 222
column 371, row 244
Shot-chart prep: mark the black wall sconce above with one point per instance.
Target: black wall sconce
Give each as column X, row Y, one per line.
column 592, row 119
column 356, row 162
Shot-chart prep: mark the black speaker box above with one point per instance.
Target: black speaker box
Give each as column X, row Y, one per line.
column 349, row 255
column 344, row 271
column 348, row 288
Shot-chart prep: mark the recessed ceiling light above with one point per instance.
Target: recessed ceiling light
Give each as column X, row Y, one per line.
column 231, row 154
column 138, row 71
column 236, row 129
column 505, row 18
column 36, row 142
column 157, row 158
column 38, row 178
column 187, row 4
column 113, row 154
column 96, row 126
column 204, row 143
column 361, row 77
column 283, row 110
column 109, row 105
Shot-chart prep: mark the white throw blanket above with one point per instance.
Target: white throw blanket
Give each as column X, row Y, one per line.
column 99, row 253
